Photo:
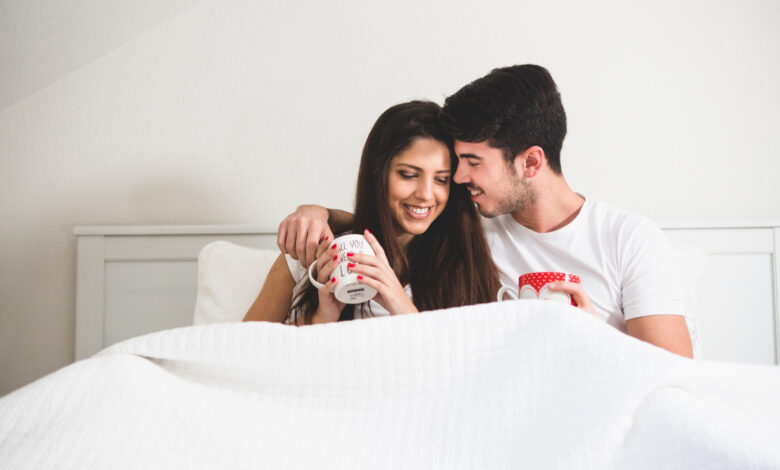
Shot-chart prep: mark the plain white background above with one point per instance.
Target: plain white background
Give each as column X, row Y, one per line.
column 236, row 111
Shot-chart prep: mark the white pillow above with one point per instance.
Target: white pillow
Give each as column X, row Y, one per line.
column 691, row 262
column 229, row 278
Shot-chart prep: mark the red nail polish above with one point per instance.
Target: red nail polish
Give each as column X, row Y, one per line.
column 327, row 237
column 368, row 231
column 335, row 257
column 360, row 277
column 333, row 280
column 351, row 265
column 334, row 246
column 350, row 254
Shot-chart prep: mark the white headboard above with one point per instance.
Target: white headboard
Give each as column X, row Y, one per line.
column 133, row 280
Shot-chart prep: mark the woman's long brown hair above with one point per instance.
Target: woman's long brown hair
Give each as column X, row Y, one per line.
column 447, row 266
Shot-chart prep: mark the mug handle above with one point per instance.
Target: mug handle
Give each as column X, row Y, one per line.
column 503, row 290
column 313, row 281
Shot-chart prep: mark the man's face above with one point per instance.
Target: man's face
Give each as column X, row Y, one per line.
column 495, row 185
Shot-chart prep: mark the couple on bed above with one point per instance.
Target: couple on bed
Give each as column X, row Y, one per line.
column 496, row 142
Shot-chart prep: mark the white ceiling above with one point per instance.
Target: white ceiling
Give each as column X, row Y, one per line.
column 42, row 41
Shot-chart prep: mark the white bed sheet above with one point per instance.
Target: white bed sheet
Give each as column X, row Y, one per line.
column 524, row 384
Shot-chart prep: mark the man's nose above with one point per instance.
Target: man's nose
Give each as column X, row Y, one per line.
column 461, row 174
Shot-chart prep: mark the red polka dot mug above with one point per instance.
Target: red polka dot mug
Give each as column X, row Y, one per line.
column 534, row 286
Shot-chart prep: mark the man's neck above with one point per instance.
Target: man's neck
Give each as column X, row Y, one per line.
column 556, row 206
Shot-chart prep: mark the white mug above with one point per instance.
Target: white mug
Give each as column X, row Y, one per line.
column 348, row 290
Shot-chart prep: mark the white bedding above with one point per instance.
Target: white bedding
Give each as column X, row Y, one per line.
column 524, row 384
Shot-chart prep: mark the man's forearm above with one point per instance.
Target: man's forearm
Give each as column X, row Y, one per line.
column 665, row 331
column 340, row 221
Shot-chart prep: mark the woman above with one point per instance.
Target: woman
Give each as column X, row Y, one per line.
column 423, row 228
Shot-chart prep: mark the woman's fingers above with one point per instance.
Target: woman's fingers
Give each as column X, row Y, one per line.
column 327, row 262
column 329, row 308
column 324, row 245
column 374, row 244
column 369, row 272
column 368, row 260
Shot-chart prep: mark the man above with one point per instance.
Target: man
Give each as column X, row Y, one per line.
column 509, row 128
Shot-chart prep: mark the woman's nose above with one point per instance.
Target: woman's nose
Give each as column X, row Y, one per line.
column 425, row 190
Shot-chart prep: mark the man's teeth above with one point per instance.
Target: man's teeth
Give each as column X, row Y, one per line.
column 418, row 210
column 475, row 192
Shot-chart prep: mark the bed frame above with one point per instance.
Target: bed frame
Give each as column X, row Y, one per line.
column 133, row 280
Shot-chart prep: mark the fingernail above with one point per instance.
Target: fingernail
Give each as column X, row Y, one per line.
column 334, row 246
column 360, row 277
column 350, row 254
column 333, row 279
column 351, row 265
column 327, row 237
column 368, row 231
column 335, row 257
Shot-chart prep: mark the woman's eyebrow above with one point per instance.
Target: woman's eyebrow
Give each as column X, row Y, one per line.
column 410, row 166
column 417, row 168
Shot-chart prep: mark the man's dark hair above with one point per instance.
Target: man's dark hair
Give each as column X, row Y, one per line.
column 512, row 108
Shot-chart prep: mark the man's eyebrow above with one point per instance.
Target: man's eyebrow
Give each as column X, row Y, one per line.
column 470, row 156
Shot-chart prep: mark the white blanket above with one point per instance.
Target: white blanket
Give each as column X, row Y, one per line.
column 524, row 384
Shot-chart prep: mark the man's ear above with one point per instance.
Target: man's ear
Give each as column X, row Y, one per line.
column 531, row 161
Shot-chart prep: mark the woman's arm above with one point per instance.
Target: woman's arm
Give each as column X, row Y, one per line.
column 275, row 298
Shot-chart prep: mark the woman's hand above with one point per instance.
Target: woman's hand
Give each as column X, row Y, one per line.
column 577, row 293
column 329, row 309
column 375, row 271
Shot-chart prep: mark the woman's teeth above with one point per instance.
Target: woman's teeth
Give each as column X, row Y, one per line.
column 417, row 210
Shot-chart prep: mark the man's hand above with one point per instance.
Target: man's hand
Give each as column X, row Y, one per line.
column 577, row 293
column 301, row 232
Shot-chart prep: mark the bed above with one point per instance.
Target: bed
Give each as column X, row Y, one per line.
column 519, row 384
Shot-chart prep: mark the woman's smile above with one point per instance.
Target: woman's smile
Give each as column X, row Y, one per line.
column 418, row 212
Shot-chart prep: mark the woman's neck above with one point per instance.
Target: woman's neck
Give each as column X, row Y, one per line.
column 403, row 240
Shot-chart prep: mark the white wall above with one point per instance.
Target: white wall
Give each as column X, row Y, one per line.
column 237, row 111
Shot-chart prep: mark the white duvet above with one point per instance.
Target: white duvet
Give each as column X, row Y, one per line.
column 524, row 384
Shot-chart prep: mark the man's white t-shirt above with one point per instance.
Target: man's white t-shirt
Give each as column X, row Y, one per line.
column 624, row 261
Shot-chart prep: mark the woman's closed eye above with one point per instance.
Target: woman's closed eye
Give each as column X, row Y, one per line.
column 407, row 175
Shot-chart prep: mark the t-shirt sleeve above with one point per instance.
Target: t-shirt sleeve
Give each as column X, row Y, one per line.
column 651, row 280
column 298, row 272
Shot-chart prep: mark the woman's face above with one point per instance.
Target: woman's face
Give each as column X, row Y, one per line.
column 418, row 185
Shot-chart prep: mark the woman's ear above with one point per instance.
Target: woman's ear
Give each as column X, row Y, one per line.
column 531, row 160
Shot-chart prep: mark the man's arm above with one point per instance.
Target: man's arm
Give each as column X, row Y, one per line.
column 300, row 233
column 669, row 332
column 651, row 290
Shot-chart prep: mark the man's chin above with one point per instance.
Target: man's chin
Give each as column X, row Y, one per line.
column 485, row 212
